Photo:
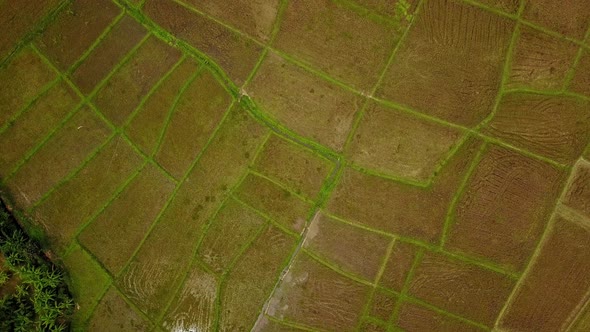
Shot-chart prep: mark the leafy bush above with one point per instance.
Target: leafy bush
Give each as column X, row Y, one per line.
column 33, row 294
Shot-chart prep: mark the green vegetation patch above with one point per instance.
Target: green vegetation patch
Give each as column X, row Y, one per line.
column 33, row 293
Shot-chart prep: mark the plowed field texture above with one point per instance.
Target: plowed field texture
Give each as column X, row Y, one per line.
column 304, row 165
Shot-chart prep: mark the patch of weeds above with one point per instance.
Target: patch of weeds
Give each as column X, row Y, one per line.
column 33, row 293
column 402, row 12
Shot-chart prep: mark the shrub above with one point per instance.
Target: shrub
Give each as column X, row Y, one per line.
column 33, row 294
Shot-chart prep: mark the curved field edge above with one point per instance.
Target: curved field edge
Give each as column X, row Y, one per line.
column 36, row 231
column 245, row 101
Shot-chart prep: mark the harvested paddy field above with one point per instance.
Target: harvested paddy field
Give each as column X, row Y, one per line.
column 304, row 165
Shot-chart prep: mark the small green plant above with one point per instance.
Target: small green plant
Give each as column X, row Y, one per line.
column 402, row 12
column 3, row 277
column 39, row 300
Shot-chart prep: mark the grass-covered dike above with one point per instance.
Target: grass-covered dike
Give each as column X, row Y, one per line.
column 33, row 292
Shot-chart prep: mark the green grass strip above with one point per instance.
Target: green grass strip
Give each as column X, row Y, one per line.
column 273, row 35
column 509, row 55
column 406, row 286
column 293, row 325
column 95, row 44
column 113, row 198
column 366, row 309
column 282, row 186
column 115, row 129
column 204, row 231
column 224, row 276
column 572, row 70
column 276, row 224
column 175, row 192
column 493, row 10
column 96, row 151
column 537, row 252
column 29, row 104
column 390, row 177
column 41, row 144
column 172, row 109
column 451, row 213
column 360, row 114
column 110, row 285
column 36, row 31
column 153, row 90
column 440, row 311
column 226, row 82
column 482, row 263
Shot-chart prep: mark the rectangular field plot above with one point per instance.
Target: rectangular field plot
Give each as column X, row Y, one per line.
column 66, row 150
column 115, row 314
column 557, row 281
column 115, row 234
column 478, row 294
column 540, row 61
column 232, row 229
column 337, row 40
column 236, row 54
column 20, row 81
column 267, row 325
column 167, row 251
column 354, row 250
column 147, row 127
column 504, row 208
column 20, row 18
column 556, row 127
column 71, row 205
column 317, row 296
column 87, row 282
column 400, row 145
column 194, row 307
column 35, row 124
column 250, row 282
column 382, row 305
column 396, row 207
column 121, row 39
column 307, row 104
column 254, row 18
column 451, row 63
column 571, row 20
column 75, row 29
column 125, row 89
column 197, row 113
column 279, row 204
column 300, row 169
column 415, row 318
